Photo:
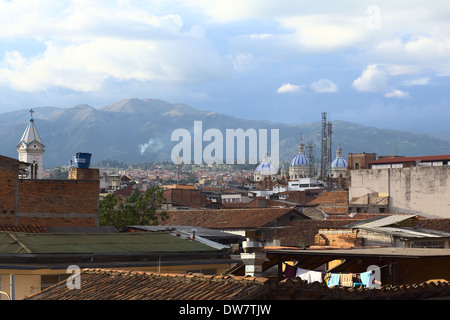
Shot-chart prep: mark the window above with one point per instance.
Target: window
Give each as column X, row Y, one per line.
column 52, row 279
column 427, row 244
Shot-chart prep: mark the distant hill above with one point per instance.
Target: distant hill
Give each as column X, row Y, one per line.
column 139, row 130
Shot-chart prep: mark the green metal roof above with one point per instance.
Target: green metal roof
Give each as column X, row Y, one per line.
column 45, row 243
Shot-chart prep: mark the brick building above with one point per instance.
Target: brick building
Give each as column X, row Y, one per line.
column 181, row 197
column 71, row 202
column 358, row 161
column 26, row 199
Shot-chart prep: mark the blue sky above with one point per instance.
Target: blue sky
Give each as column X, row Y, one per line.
column 380, row 63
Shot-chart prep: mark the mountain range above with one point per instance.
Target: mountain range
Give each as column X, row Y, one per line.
column 139, row 130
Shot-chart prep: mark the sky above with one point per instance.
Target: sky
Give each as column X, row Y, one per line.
column 379, row 63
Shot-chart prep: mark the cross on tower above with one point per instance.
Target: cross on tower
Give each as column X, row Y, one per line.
column 31, row 112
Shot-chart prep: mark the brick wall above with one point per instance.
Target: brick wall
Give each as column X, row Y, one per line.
column 58, row 202
column 58, row 196
column 84, row 174
column 360, row 160
column 185, row 197
column 47, row 202
column 9, row 183
column 338, row 238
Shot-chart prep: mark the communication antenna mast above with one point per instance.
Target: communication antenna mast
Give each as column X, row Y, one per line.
column 324, row 158
column 330, row 159
column 310, row 154
column 325, row 163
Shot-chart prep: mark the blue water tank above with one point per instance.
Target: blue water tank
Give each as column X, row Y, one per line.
column 82, row 160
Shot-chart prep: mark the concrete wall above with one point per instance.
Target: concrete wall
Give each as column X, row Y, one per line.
column 421, row 190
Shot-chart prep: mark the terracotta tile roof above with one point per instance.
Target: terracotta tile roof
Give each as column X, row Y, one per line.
column 226, row 218
column 435, row 224
column 299, row 197
column 331, row 197
column 102, row 284
column 299, row 233
column 25, row 229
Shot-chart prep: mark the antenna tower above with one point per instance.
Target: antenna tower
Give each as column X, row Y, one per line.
column 325, row 162
column 310, row 154
column 324, row 158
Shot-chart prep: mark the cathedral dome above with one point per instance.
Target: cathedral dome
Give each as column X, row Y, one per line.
column 339, row 163
column 300, row 160
column 265, row 168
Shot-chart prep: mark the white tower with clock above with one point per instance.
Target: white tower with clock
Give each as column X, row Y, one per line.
column 31, row 150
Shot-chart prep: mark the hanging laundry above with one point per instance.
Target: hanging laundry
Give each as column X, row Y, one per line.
column 334, row 280
column 368, row 278
column 309, row 275
column 315, row 276
column 289, row 271
column 346, row 279
column 326, row 277
column 357, row 281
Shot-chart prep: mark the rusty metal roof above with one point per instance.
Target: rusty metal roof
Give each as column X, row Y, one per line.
column 47, row 243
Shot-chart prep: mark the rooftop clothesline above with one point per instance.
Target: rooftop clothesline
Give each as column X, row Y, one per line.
column 367, row 279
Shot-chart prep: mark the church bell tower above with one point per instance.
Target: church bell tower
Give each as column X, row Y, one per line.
column 31, row 150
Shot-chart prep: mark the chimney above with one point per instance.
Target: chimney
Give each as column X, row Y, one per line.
column 84, row 174
column 253, row 256
column 80, row 169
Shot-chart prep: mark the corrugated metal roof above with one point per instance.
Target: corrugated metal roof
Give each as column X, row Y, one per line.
column 82, row 230
column 380, row 221
column 411, row 233
column 386, row 224
column 411, row 159
column 203, row 232
column 97, row 243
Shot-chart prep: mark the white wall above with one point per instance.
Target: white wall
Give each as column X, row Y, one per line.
column 421, row 190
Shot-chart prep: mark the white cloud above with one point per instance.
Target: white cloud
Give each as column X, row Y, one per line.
column 372, row 79
column 324, row 86
column 289, row 88
column 261, row 36
column 418, row 53
column 397, row 94
column 243, row 62
column 86, row 66
column 325, row 32
column 417, row 82
column 92, row 44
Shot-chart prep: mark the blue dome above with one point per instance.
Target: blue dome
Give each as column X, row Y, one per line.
column 265, row 168
column 339, row 163
column 300, row 160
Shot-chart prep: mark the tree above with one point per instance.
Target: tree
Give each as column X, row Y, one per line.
column 138, row 209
